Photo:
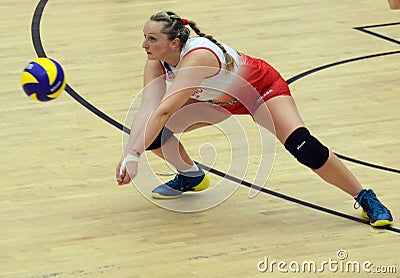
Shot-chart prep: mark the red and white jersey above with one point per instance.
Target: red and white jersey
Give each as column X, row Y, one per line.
column 224, row 86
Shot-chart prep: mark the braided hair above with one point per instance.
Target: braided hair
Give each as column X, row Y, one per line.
column 174, row 27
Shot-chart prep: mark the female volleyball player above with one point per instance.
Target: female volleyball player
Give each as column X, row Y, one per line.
column 190, row 104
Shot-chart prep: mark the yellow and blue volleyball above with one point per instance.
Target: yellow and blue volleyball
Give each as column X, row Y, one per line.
column 43, row 79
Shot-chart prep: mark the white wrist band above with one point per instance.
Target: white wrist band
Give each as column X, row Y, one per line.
column 128, row 158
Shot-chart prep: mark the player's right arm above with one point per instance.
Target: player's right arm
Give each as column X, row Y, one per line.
column 154, row 89
column 153, row 92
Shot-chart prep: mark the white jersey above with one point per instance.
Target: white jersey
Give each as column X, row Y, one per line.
column 212, row 87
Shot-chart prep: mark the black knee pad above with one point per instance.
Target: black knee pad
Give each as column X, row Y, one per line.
column 162, row 137
column 306, row 148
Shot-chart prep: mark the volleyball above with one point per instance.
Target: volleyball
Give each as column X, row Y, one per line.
column 43, row 79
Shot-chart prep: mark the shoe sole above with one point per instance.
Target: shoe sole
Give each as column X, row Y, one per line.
column 200, row 187
column 159, row 196
column 381, row 223
column 378, row 223
column 203, row 185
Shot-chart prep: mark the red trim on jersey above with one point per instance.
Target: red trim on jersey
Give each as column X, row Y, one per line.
column 215, row 54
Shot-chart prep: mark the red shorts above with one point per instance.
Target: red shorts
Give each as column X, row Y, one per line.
column 265, row 81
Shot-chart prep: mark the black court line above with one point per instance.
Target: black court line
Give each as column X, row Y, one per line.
column 315, row 70
column 365, row 30
column 35, row 33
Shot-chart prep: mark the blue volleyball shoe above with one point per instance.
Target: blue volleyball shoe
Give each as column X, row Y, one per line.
column 191, row 181
column 372, row 209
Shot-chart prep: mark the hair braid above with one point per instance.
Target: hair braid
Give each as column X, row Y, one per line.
column 230, row 62
column 174, row 27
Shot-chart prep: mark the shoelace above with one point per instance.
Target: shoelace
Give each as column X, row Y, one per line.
column 176, row 183
column 358, row 199
column 370, row 202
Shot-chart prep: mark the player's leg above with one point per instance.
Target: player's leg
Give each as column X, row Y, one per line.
column 190, row 176
column 192, row 116
column 308, row 150
column 394, row 4
column 333, row 170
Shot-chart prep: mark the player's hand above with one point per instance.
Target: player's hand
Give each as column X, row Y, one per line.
column 126, row 170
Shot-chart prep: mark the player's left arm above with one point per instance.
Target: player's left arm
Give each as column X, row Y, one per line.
column 194, row 68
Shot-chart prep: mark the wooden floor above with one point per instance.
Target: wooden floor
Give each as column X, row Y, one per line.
column 61, row 212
